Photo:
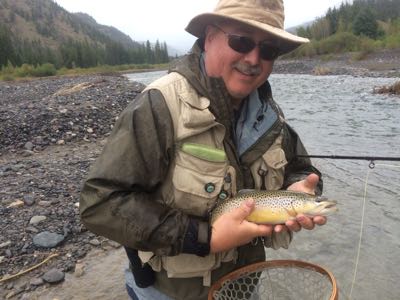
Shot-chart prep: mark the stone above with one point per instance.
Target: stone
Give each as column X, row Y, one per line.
column 113, row 244
column 25, row 296
column 79, row 270
column 27, row 153
column 37, row 219
column 11, row 294
column 5, row 244
column 31, row 229
column 28, row 146
column 53, row 276
column 8, row 253
column 44, row 203
column 29, row 200
column 36, row 281
column 16, row 203
column 94, row 242
column 47, row 239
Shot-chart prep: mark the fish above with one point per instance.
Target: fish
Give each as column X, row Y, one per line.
column 276, row 207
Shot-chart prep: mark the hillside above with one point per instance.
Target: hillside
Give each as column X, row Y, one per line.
column 41, row 31
column 362, row 26
column 109, row 31
column 48, row 22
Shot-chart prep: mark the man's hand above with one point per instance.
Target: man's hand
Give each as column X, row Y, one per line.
column 231, row 230
column 307, row 185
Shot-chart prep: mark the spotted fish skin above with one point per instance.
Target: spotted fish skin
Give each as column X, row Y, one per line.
column 276, row 207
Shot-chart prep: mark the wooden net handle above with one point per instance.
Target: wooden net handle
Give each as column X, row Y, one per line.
column 260, row 266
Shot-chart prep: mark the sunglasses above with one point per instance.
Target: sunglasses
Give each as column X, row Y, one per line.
column 245, row 44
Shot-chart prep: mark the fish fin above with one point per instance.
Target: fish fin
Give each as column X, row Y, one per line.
column 291, row 213
column 245, row 191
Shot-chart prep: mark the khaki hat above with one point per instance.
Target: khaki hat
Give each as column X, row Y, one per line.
column 267, row 15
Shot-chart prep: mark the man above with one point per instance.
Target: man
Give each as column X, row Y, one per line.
column 201, row 133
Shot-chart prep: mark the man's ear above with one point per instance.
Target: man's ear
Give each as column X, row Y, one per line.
column 210, row 33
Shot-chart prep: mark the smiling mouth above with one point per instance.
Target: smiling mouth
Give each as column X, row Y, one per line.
column 251, row 74
column 248, row 70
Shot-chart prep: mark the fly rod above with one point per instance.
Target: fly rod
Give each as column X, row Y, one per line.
column 371, row 159
column 351, row 157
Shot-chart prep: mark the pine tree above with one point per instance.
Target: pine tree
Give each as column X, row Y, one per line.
column 7, row 52
column 365, row 24
column 149, row 53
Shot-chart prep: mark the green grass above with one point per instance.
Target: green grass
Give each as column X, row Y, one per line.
column 10, row 73
column 344, row 42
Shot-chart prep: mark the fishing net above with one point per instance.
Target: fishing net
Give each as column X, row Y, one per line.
column 277, row 280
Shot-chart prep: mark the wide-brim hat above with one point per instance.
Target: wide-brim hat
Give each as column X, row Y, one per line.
column 266, row 15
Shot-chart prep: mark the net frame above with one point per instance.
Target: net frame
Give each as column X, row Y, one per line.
column 261, row 266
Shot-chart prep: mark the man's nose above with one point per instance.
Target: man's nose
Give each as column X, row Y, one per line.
column 253, row 57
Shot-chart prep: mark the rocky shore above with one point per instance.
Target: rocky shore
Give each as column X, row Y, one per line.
column 51, row 130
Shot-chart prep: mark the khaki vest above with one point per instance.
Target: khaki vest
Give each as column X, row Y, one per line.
column 189, row 176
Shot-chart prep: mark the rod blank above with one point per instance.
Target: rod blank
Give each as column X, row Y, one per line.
column 352, row 157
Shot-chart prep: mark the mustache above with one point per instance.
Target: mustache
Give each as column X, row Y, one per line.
column 248, row 69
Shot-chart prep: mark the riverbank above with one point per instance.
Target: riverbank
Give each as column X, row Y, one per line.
column 385, row 63
column 51, row 131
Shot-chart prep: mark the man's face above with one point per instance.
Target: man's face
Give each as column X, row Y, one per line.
column 241, row 72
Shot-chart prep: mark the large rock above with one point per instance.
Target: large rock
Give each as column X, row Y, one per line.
column 47, row 239
column 53, row 276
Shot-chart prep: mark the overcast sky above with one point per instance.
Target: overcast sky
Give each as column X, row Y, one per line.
column 165, row 20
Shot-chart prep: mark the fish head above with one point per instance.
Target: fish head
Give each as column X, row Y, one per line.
column 321, row 206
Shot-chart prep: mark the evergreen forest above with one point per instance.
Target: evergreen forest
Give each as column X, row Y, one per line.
column 360, row 25
column 40, row 32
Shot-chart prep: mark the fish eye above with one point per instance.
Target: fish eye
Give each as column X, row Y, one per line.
column 320, row 199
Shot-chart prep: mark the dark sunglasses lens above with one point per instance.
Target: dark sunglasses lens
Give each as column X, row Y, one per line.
column 241, row 44
column 268, row 52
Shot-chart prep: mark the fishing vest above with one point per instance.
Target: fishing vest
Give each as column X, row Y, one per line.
column 195, row 181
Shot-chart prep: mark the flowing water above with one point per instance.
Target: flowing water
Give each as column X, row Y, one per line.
column 333, row 115
column 338, row 115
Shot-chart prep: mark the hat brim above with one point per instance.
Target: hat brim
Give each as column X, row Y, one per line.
column 286, row 41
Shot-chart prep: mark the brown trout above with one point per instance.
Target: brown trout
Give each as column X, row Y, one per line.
column 276, row 207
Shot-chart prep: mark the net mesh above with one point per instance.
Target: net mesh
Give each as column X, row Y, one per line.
column 276, row 282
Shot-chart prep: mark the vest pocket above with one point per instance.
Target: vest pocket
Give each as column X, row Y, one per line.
column 275, row 161
column 197, row 183
column 189, row 265
column 269, row 170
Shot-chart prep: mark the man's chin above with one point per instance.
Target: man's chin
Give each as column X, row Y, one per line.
column 239, row 95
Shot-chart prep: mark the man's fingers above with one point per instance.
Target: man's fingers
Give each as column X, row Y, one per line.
column 293, row 225
column 320, row 220
column 244, row 210
column 305, row 222
column 307, row 185
column 311, row 181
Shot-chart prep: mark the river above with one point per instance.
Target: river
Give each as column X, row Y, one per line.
column 339, row 115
